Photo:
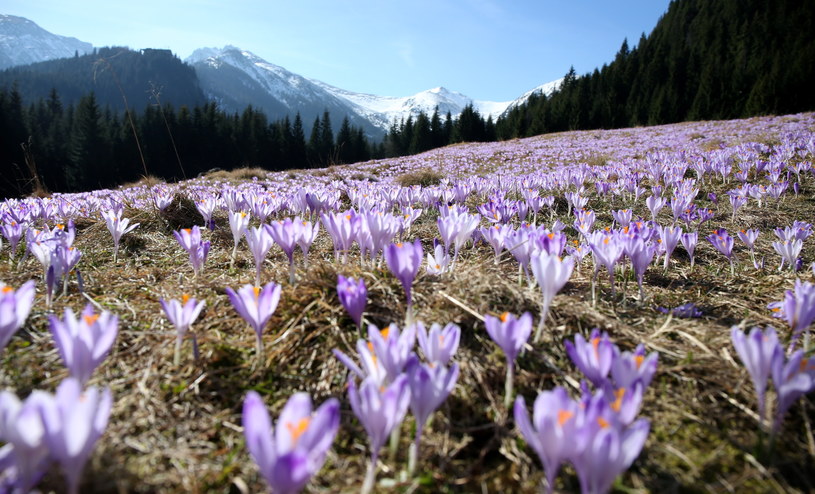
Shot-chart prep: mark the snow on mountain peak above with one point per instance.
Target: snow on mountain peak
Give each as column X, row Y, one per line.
column 23, row 42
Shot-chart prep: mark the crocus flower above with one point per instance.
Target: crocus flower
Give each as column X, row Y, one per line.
column 439, row 262
column 190, row 240
column 290, row 453
column 353, row 295
column 511, row 334
column 792, row 378
column 15, row 306
column 609, row 451
column 429, row 387
column 439, row 344
column 22, row 430
column 757, row 352
column 554, row 431
column 593, row 357
column 13, row 231
column 724, row 244
column 380, row 410
column 689, row 241
column 797, row 308
column 641, row 254
column 117, row 226
column 73, row 425
column 789, row 251
column 668, row 237
column 607, row 250
column 256, row 306
column 85, row 342
column 404, row 261
column 238, row 223
column 182, row 314
column 391, row 347
column 285, row 234
column 343, row 229
column 551, row 273
column 371, row 367
column 307, row 232
column 259, row 241
column 630, row 367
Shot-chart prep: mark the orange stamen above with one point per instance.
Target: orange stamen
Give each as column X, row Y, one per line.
column 638, row 359
column 90, row 319
column 563, row 416
column 619, row 399
column 503, row 317
column 297, row 430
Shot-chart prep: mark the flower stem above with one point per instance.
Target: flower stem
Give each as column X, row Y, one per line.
column 509, row 385
column 370, row 477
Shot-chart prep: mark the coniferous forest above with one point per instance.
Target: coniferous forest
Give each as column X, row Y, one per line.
column 86, row 130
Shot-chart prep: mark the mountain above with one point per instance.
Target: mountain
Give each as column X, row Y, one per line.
column 109, row 73
column 236, row 78
column 702, row 61
column 23, row 42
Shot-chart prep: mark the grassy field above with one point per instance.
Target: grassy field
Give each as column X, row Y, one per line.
column 177, row 428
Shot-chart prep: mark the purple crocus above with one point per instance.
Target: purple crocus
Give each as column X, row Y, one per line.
column 668, row 238
column 630, row 367
column 724, row 244
column 238, row 223
column 182, row 314
column 353, row 295
column 608, row 452
column 256, row 306
column 551, row 272
column 291, row 452
column 641, row 254
column 392, row 348
column 757, row 352
column 84, row 343
column 380, row 410
column 404, row 261
column 789, row 251
column 15, row 306
column 73, row 424
column 307, row 232
column 792, row 378
column 797, row 308
column 259, row 241
column 117, row 226
column 554, row 431
column 190, row 241
column 429, row 386
column 285, row 234
column 25, row 455
column 511, row 334
column 593, row 357
column 438, row 344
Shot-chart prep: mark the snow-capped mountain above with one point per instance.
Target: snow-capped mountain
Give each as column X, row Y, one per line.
column 236, row 78
column 23, row 42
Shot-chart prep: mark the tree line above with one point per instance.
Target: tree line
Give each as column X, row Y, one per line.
column 704, row 60
column 85, row 146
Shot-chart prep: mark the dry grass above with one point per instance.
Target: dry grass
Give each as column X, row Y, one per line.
column 178, row 428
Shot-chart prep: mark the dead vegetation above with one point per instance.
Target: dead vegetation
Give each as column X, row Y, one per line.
column 178, row 428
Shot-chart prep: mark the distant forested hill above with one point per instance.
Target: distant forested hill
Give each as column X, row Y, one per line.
column 705, row 59
column 109, row 72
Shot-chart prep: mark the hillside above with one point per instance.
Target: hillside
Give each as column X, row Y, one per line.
column 703, row 61
column 175, row 423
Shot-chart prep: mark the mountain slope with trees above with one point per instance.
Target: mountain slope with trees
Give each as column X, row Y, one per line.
column 704, row 60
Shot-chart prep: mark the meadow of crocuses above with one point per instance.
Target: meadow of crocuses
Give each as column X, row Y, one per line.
column 625, row 310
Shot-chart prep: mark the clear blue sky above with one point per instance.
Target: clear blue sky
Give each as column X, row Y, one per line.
column 487, row 49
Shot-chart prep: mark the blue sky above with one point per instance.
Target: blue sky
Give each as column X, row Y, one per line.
column 487, row 49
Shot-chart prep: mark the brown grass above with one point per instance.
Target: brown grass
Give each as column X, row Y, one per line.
column 178, row 428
